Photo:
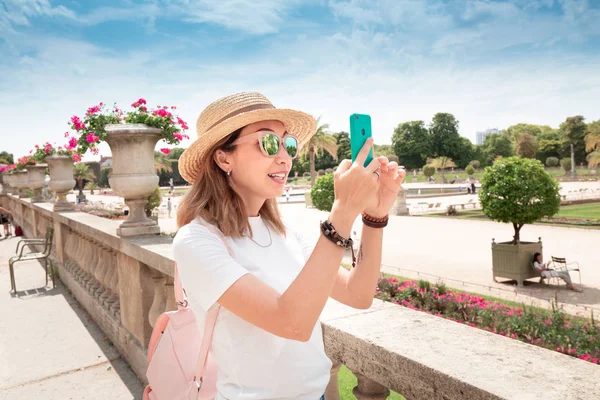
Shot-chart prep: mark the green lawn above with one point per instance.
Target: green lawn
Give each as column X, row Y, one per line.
column 589, row 211
column 347, row 382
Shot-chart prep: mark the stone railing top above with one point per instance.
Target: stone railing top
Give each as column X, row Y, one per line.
column 154, row 251
column 426, row 357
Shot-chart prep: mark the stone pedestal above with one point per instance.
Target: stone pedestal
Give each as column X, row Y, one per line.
column 400, row 207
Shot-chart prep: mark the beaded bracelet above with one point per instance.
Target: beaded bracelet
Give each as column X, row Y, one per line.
column 374, row 222
column 332, row 234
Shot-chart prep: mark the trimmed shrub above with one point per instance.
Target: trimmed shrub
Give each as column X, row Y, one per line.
column 470, row 170
column 566, row 164
column 154, row 201
column 553, row 162
column 428, row 170
column 322, row 193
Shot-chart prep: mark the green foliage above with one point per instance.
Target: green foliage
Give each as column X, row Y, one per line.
column 496, row 145
column 176, row 152
column 519, row 191
column 383, row 150
column 553, row 162
column 428, row 170
column 343, row 143
column 515, row 131
column 566, row 163
column 527, row 146
column 476, row 164
column 104, row 175
column 573, row 131
column 444, row 137
column 322, row 194
column 154, row 201
column 549, row 144
column 470, row 170
column 6, row 158
column 81, row 173
column 411, row 143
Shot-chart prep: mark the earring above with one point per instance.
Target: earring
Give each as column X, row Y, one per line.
column 228, row 173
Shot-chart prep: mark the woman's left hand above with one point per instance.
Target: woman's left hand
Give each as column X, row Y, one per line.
column 390, row 180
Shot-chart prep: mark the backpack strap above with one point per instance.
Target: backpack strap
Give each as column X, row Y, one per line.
column 211, row 315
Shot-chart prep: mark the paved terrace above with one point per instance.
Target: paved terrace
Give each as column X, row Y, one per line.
column 55, row 345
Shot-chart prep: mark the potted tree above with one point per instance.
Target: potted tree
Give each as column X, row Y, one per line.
column 132, row 137
column 518, row 191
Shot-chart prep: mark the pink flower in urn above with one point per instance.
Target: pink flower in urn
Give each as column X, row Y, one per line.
column 173, row 107
column 95, row 151
column 91, row 138
column 162, row 113
column 66, row 134
column 76, row 157
column 93, row 110
column 139, row 103
column 165, row 150
column 186, row 136
column 37, row 147
column 77, row 123
column 178, row 136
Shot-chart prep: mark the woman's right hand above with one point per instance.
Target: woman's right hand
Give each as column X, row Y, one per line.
column 355, row 186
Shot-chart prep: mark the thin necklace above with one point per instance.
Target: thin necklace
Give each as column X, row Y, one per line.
column 270, row 238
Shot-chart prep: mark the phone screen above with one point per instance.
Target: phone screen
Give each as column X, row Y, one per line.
column 360, row 131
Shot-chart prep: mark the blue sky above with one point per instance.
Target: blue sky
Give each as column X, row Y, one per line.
column 490, row 63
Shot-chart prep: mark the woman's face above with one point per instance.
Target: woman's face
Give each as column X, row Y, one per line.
column 539, row 258
column 255, row 176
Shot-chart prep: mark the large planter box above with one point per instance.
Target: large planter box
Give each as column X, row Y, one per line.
column 514, row 261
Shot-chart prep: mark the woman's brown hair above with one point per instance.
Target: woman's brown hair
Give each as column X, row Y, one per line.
column 214, row 200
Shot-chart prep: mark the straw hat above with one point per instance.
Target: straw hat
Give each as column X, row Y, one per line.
column 228, row 114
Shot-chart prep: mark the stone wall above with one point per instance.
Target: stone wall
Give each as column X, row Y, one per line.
column 125, row 284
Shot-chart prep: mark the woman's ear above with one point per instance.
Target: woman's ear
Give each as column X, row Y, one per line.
column 223, row 160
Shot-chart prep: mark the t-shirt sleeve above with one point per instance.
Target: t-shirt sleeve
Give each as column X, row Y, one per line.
column 538, row 266
column 205, row 266
column 306, row 245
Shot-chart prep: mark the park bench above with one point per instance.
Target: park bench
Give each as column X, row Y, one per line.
column 46, row 242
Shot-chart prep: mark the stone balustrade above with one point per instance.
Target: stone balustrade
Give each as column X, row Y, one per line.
column 126, row 283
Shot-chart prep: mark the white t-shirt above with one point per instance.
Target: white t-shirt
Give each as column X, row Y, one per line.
column 252, row 363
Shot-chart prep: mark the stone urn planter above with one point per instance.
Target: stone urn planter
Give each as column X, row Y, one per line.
column 20, row 182
column 61, row 181
column 8, row 179
column 36, row 180
column 513, row 261
column 133, row 175
column 3, row 184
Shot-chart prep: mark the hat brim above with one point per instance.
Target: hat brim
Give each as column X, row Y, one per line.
column 296, row 123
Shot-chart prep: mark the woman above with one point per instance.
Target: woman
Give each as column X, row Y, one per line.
column 169, row 206
column 5, row 220
column 546, row 272
column 267, row 341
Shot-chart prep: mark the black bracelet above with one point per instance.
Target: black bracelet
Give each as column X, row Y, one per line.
column 332, row 234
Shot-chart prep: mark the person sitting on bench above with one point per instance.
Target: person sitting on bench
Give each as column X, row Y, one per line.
column 547, row 273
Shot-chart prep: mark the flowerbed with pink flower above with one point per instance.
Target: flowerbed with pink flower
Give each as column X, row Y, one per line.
column 552, row 329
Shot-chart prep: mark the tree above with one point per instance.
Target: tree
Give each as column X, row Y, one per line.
column 573, row 132
column 515, row 131
column 6, row 158
column 105, row 173
column 496, row 145
column 527, row 146
column 321, row 140
column 466, row 153
column 411, row 144
column 518, row 191
column 592, row 144
column 444, row 137
column 343, row 142
column 441, row 163
column 476, row 164
column 162, row 162
column 470, row 170
column 91, row 186
column 82, row 172
column 176, row 153
column 383, row 150
column 549, row 144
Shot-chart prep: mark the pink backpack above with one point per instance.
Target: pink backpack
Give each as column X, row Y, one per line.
column 181, row 367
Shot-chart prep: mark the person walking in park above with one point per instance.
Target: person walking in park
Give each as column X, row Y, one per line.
column 546, row 272
column 5, row 216
column 169, row 206
column 234, row 251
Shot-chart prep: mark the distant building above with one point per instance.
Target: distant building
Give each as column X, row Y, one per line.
column 105, row 161
column 480, row 136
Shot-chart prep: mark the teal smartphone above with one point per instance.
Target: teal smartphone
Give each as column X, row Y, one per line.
column 360, row 131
